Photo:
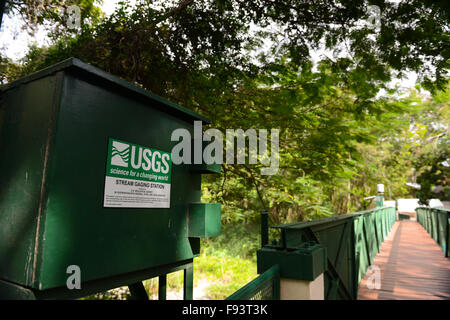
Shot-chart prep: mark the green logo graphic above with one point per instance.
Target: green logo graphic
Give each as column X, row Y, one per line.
column 132, row 161
column 120, row 154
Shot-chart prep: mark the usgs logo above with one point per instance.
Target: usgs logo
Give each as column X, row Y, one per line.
column 140, row 158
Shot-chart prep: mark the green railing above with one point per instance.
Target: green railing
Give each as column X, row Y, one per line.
column 351, row 240
column 436, row 221
column 264, row 287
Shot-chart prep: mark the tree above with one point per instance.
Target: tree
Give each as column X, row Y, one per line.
column 409, row 35
column 432, row 160
column 434, row 180
column 248, row 64
column 54, row 12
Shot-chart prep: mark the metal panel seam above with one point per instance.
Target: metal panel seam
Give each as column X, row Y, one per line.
column 59, row 77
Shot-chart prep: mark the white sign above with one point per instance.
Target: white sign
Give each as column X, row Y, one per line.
column 136, row 176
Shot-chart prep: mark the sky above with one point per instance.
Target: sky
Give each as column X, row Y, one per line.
column 14, row 41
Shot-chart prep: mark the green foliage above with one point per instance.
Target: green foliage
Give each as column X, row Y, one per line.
column 121, row 293
column 429, row 145
column 187, row 36
column 434, row 180
column 224, row 274
column 52, row 13
column 338, row 139
column 237, row 239
column 247, row 64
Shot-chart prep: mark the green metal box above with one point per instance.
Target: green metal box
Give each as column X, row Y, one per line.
column 204, row 220
column 72, row 137
column 306, row 262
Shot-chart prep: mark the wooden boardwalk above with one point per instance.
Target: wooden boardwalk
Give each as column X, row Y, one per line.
column 411, row 265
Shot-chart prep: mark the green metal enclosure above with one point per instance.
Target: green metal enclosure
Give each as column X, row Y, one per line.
column 69, row 137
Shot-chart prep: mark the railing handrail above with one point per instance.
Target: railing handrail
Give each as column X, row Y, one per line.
column 347, row 260
column 436, row 221
column 307, row 224
column 249, row 289
column 354, row 241
column 433, row 208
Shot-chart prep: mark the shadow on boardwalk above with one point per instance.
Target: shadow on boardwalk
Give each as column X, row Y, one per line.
column 412, row 266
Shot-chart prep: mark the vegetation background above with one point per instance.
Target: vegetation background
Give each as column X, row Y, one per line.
column 320, row 71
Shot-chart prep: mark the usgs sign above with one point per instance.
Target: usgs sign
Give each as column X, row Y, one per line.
column 136, row 176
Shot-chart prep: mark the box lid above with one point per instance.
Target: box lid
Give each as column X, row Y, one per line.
column 86, row 71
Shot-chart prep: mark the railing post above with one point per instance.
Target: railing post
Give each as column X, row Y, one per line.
column 162, row 287
column 188, row 282
column 301, row 270
column 380, row 196
column 137, row 291
column 264, row 228
column 447, row 235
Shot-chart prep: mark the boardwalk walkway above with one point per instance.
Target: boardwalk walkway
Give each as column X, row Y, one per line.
column 411, row 264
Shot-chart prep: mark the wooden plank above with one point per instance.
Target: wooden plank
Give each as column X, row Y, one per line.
column 412, row 266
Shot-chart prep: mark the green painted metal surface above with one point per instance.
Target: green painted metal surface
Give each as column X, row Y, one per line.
column 11, row 291
column 26, row 129
column 188, row 283
column 264, row 287
column 402, row 216
column 137, row 291
column 305, row 262
column 204, row 220
column 55, row 127
column 99, row 285
column 207, row 168
column 162, row 287
column 436, row 222
column 370, row 229
column 379, row 201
